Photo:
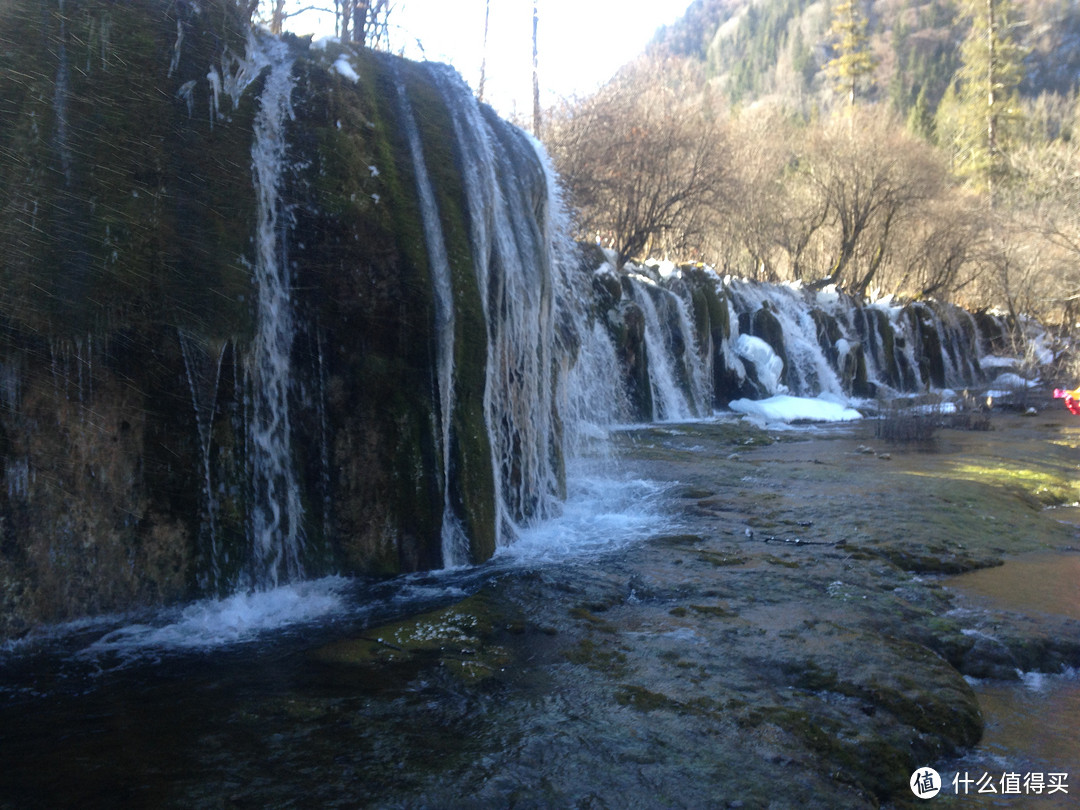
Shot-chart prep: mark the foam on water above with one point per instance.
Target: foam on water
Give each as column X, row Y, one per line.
column 212, row 623
column 601, row 513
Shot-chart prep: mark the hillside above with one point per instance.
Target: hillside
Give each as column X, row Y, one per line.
column 753, row 49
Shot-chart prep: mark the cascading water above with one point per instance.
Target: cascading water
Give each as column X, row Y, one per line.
column 405, row 437
column 671, row 402
column 697, row 359
column 809, row 372
column 513, row 261
column 61, row 98
column 276, row 511
column 204, row 375
column 455, row 545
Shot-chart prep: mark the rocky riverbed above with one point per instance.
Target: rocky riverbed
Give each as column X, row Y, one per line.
column 786, row 640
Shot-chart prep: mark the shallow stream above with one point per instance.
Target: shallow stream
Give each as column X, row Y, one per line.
column 1031, row 726
column 728, row 617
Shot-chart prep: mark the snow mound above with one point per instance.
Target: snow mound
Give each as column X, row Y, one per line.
column 787, row 408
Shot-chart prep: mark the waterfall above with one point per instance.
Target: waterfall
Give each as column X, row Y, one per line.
column 670, row 402
column 276, row 511
column 410, row 405
column 204, row 375
column 514, row 266
column 61, row 96
column 808, row 371
column 455, row 545
column 698, row 360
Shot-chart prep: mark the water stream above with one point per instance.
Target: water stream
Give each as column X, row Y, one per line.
column 277, row 513
column 1030, row 725
column 229, row 701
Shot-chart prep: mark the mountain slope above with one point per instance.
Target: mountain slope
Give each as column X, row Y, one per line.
column 755, row 49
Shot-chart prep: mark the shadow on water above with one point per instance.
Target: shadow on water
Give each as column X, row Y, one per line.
column 115, row 719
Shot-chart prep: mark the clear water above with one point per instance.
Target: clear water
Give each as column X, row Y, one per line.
column 1031, row 727
column 226, row 702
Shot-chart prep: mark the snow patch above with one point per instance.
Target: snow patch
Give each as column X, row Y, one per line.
column 786, row 408
column 344, row 68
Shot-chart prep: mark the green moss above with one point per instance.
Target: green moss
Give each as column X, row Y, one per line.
column 644, row 700
column 716, row 611
column 588, row 653
column 676, row 540
column 585, row 614
column 463, row 639
column 472, row 476
column 720, row 559
column 772, row 559
column 128, row 211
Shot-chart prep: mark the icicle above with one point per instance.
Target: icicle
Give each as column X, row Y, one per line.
column 214, row 79
column 204, row 375
column 185, row 93
column 175, row 62
column 61, row 93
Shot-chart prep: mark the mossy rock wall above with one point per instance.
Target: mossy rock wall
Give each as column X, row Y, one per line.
column 365, row 280
column 127, row 314
column 125, row 217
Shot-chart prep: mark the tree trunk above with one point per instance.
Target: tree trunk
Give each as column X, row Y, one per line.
column 535, row 75
column 991, row 111
column 483, row 58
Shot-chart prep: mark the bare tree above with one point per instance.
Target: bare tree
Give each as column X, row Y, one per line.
column 938, row 253
column 483, row 58
column 643, row 161
column 776, row 216
column 249, row 8
column 535, row 73
column 870, row 176
column 365, row 22
column 1047, row 206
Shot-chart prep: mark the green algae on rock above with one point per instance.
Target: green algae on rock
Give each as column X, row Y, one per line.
column 128, row 289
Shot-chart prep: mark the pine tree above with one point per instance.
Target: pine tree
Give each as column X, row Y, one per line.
column 981, row 111
column 853, row 62
column 920, row 121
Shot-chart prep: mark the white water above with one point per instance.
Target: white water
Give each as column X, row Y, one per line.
column 521, row 256
column 699, row 359
column 235, row 619
column 809, row 372
column 276, row 514
column 670, row 403
column 204, row 376
column 601, row 513
column 592, row 395
column 455, row 545
column 604, row 511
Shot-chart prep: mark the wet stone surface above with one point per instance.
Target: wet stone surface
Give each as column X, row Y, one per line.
column 786, row 640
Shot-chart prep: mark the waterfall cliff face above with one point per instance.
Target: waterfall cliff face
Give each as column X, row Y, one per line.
column 271, row 310
column 753, row 340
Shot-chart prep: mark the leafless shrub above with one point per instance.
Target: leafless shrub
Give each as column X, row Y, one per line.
column 905, row 423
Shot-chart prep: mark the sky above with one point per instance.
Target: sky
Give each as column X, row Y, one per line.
column 581, row 42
